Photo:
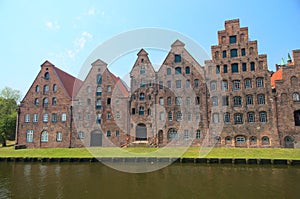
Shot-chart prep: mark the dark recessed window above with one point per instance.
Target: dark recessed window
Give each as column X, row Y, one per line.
column 233, row 53
column 177, row 70
column 177, row 58
column 47, row 75
column 217, row 69
column 187, row 70
column 232, row 39
column 224, row 54
column 99, row 79
column 244, row 67
column 225, row 68
column 243, row 52
column 252, row 66
column 234, row 68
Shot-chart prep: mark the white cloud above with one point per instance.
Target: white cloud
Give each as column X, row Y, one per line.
column 89, row 35
column 91, row 11
column 52, row 25
column 70, row 53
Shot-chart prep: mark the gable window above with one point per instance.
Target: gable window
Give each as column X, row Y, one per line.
column 237, row 101
column 29, row 136
column 37, row 88
column 263, row 116
column 236, row 85
column 178, row 116
column 148, row 111
column 265, row 140
column 248, row 83
column 169, row 101
column 213, row 85
column 46, row 88
column 54, row 101
column 224, row 54
column 117, row 133
column 36, row 101
column 99, row 79
column 161, row 116
column 45, row 117
column 58, row 136
column 187, row 70
column 98, row 118
column 88, row 89
column 142, row 96
column 243, row 52
column 161, row 84
column 197, row 100
column 235, row 68
column 178, row 70
column 225, row 70
column 233, row 53
column 88, row 102
column 249, row 99
column 27, row 118
column 217, row 55
column 108, row 133
column 178, row 83
column 168, row 71
column 118, row 116
column 45, row 102
column 47, row 76
column 244, row 67
column 177, row 58
column 252, row 66
column 44, row 136
column 226, row 117
column 63, row 117
column 169, row 83
column 141, row 110
column 259, row 82
column 108, row 115
column 178, row 100
column 296, row 97
column 98, row 91
column 216, row 118
column 238, row 118
column 54, row 88
column 80, row 135
column 188, row 83
column 232, row 39
column 217, row 69
column 161, row 101
column 133, row 111
column 142, row 70
column 251, row 117
column 108, row 89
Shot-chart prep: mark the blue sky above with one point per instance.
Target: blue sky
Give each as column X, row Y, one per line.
column 65, row 33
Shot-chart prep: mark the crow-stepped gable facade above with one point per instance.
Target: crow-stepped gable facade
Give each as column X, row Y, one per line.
column 231, row 101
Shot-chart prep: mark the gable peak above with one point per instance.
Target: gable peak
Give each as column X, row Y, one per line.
column 142, row 52
column 178, row 43
column 99, row 62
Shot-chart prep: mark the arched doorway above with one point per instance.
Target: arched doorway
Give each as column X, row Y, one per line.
column 288, row 142
column 141, row 132
column 160, row 137
column 96, row 138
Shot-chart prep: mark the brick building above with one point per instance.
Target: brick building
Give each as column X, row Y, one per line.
column 231, row 101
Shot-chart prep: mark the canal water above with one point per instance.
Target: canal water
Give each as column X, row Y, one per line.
column 95, row 180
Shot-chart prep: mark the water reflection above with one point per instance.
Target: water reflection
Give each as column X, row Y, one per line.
column 94, row 180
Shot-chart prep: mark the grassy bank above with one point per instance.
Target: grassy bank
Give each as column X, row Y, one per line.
column 192, row 152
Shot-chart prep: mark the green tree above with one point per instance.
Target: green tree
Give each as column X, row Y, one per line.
column 8, row 114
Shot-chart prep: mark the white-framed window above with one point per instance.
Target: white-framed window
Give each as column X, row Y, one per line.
column 88, row 89
column 161, row 101
column 261, row 99
column 44, row 136
column 236, row 85
column 178, row 100
column 179, row 116
column 63, row 117
column 108, row 89
column 251, row 117
column 259, row 82
column 188, row 101
column 215, row 118
column 213, row 85
column 248, row 83
column 29, row 136
column 35, row 117
column 161, row 116
column 237, row 101
column 224, row 85
column 58, row 136
column 214, row 101
column 263, row 116
column 226, row 117
column 45, row 117
column 178, row 83
column 118, row 115
column 80, row 135
column 296, row 97
column 27, row 118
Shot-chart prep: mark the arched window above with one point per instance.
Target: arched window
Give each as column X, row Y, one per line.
column 44, row 136
column 46, row 88
column 37, row 88
column 228, row 140
column 236, row 85
column 54, row 101
column 265, row 140
column 45, row 101
column 249, row 99
column 172, row 134
column 238, row 118
column 142, row 96
column 36, row 101
column 178, row 70
column 161, row 101
column 187, row 70
column 179, row 116
column 224, row 54
column 141, row 110
column 54, row 88
column 218, row 140
column 248, row 83
column 47, row 75
column 251, row 117
column 253, row 140
column 233, row 53
column 294, row 81
column 169, row 71
column 296, row 97
column 259, row 82
column 263, row 116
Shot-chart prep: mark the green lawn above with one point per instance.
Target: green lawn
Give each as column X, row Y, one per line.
column 192, row 152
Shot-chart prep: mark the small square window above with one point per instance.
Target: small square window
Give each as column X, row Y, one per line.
column 177, row 58
column 232, row 39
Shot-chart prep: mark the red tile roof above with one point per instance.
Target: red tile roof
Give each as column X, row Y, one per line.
column 70, row 83
column 276, row 76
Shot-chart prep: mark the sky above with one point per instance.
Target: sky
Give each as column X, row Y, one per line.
column 66, row 33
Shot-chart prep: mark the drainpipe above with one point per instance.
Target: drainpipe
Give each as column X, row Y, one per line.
column 71, row 124
column 17, row 125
